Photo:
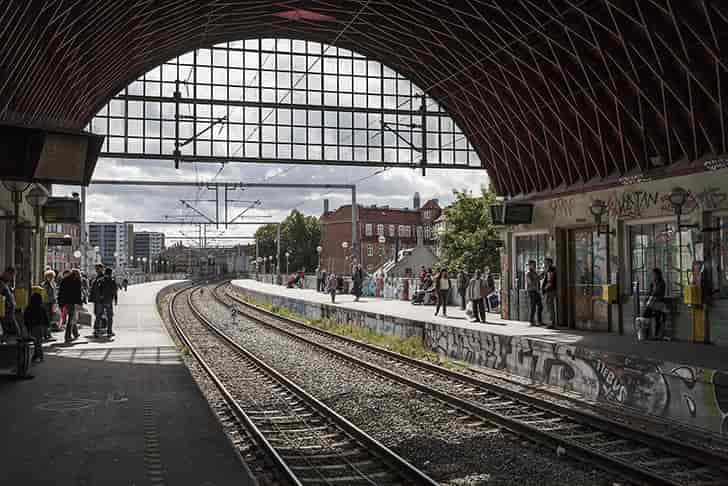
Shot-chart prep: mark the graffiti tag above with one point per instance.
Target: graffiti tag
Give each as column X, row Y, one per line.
column 611, row 384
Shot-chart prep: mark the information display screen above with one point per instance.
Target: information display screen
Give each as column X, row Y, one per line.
column 62, row 210
column 518, row 214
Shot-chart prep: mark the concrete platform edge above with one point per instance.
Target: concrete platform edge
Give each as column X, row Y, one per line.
column 689, row 395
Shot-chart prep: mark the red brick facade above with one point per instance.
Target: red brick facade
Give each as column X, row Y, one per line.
column 374, row 221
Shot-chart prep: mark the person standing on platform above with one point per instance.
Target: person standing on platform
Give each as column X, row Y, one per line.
column 357, row 278
column 51, row 291
column 109, row 297
column 549, row 289
column 324, row 280
column 61, row 303
column 489, row 288
column 655, row 306
column 36, row 320
column 71, row 292
column 95, row 298
column 442, row 285
column 534, row 296
column 476, row 287
column 331, row 286
column 462, row 288
column 9, row 323
column 84, row 288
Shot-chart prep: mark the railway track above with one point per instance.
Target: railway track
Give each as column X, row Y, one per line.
column 637, row 455
column 296, row 435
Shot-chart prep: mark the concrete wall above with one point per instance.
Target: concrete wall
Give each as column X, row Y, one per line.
column 691, row 395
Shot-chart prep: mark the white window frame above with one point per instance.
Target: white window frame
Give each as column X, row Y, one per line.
column 370, row 250
column 380, row 229
column 368, row 229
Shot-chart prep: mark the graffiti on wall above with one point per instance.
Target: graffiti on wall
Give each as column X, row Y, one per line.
column 562, row 207
column 687, row 394
column 631, row 204
column 691, row 395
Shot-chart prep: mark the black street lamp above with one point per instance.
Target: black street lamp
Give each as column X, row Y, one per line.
column 598, row 210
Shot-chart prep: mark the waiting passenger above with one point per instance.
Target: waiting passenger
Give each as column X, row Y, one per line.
column 655, row 307
column 332, row 284
column 36, row 320
column 72, row 298
column 534, row 295
column 9, row 323
column 51, row 292
column 442, row 285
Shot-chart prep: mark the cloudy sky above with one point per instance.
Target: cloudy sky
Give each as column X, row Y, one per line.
column 394, row 187
column 274, row 71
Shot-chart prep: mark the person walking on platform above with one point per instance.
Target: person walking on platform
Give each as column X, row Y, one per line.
column 70, row 293
column 442, row 285
column 534, row 296
column 331, row 286
column 476, row 288
column 51, row 292
column 324, row 281
column 549, row 289
column 125, row 284
column 357, row 278
column 36, row 320
column 61, row 304
column 9, row 323
column 462, row 281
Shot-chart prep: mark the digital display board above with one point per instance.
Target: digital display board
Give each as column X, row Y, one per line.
column 518, row 214
column 62, row 210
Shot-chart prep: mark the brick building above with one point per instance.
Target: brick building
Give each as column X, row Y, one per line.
column 401, row 227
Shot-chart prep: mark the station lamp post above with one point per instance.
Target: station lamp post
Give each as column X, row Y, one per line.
column 319, row 249
column 345, row 245
column 288, row 254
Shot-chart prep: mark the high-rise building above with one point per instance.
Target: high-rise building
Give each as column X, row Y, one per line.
column 147, row 244
column 115, row 242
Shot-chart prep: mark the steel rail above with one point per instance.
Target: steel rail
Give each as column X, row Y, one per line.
column 588, row 454
column 399, row 465
column 697, row 454
column 281, row 467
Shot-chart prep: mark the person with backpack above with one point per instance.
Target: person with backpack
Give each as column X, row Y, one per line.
column 36, row 320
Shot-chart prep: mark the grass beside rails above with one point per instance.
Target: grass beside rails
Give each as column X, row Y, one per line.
column 412, row 347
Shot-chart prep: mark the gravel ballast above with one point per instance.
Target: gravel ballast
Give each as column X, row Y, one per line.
column 424, row 431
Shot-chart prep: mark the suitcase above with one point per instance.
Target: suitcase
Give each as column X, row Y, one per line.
column 84, row 318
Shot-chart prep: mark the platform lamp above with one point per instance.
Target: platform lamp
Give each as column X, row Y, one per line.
column 319, row 249
column 678, row 198
column 288, row 254
column 598, row 210
column 345, row 245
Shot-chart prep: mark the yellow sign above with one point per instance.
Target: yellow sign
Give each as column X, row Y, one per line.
column 609, row 292
column 2, row 307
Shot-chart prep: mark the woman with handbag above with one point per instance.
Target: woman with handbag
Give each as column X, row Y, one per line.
column 655, row 307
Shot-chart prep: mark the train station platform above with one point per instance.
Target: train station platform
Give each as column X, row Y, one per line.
column 679, row 381
column 122, row 412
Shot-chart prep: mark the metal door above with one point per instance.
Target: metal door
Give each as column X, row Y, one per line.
column 587, row 272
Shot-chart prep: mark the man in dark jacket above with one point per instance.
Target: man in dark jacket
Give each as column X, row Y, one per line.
column 95, row 297
column 357, row 277
column 549, row 288
column 108, row 296
column 70, row 295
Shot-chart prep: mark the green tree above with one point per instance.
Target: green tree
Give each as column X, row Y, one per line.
column 468, row 227
column 300, row 235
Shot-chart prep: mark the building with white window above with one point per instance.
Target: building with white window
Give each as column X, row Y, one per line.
column 115, row 242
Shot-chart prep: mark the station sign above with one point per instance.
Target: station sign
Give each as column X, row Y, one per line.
column 59, row 241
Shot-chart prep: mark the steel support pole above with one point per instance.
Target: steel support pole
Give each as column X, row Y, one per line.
column 83, row 229
column 278, row 247
column 354, row 225
column 423, row 109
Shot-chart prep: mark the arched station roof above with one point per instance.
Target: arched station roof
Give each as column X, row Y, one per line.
column 551, row 94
